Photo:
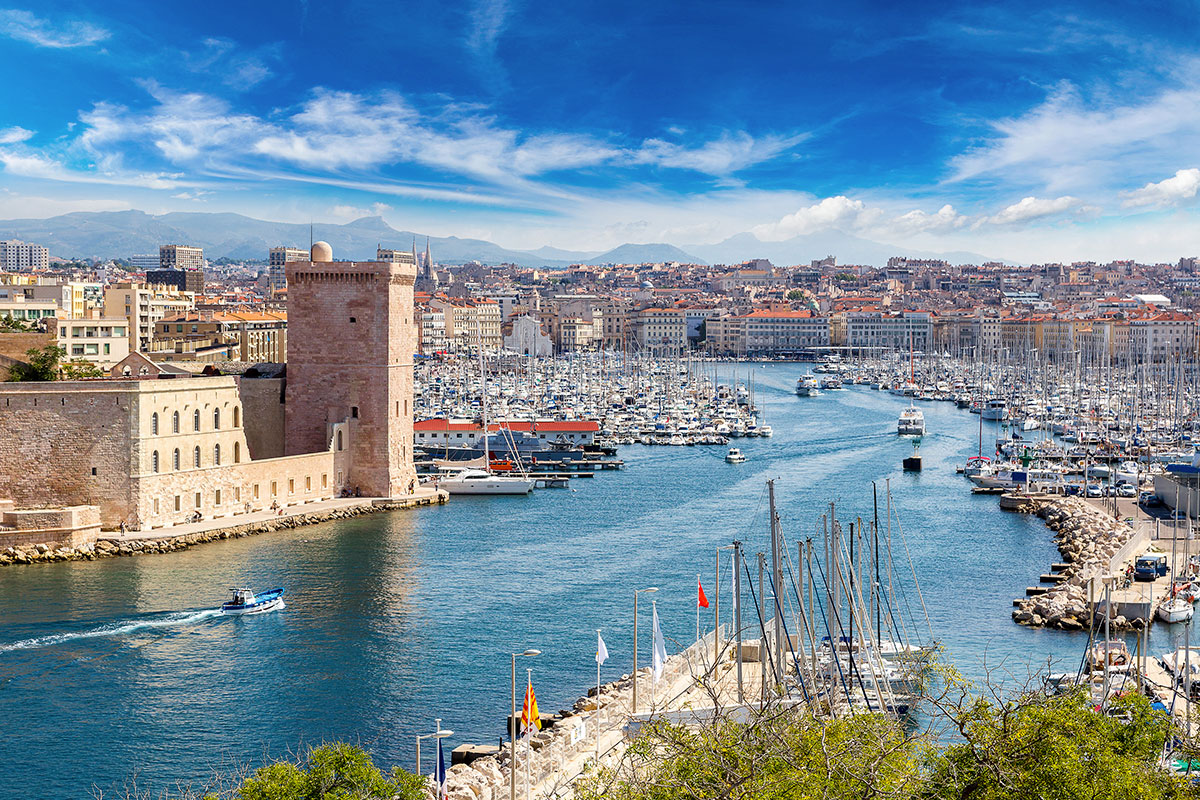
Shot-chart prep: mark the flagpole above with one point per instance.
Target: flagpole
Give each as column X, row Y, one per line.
column 654, row 672
column 598, row 696
column 697, row 608
column 528, row 735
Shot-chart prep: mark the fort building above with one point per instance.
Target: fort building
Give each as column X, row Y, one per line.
column 153, row 451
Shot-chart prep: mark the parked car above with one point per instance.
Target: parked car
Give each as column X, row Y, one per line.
column 1094, row 490
column 1150, row 566
column 1127, row 490
column 1149, row 500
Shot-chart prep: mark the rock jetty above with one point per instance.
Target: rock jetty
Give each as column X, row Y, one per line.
column 1087, row 539
column 110, row 548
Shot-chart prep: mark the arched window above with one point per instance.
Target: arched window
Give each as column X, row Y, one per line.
column 237, row 417
column 237, row 452
column 154, row 424
column 154, row 461
column 196, row 456
column 339, row 440
column 196, row 420
column 216, row 419
column 175, row 460
column 175, row 422
column 216, row 455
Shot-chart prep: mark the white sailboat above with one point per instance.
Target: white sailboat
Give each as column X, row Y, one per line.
column 482, row 481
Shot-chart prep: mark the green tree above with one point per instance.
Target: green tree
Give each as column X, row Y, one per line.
column 7, row 323
column 41, row 366
column 795, row 294
column 1039, row 746
column 331, row 772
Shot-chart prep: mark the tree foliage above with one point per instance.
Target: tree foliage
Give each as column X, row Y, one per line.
column 42, row 365
column 331, row 772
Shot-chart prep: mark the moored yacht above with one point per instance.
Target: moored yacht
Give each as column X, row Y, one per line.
column 478, row 481
column 807, row 386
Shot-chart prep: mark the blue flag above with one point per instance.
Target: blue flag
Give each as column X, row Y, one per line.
column 440, row 775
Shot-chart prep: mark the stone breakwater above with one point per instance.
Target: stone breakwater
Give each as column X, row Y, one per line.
column 1087, row 539
column 111, row 548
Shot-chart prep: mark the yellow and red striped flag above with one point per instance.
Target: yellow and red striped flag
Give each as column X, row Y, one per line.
column 529, row 712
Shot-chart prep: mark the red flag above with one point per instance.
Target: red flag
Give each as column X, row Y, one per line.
column 701, row 600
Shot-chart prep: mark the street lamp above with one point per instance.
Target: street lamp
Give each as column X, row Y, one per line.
column 512, row 726
column 437, row 734
column 636, row 592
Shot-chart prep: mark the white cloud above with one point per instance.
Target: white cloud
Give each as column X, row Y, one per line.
column 14, row 135
column 917, row 221
column 1074, row 143
column 1030, row 208
column 26, row 27
column 36, row 166
column 1172, row 191
column 723, row 156
column 838, row 212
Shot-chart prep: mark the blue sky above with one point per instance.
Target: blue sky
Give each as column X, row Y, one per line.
column 1014, row 129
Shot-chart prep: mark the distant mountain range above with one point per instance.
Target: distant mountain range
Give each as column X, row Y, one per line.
column 120, row 234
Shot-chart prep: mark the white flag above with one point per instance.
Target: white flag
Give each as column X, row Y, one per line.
column 601, row 650
column 660, row 648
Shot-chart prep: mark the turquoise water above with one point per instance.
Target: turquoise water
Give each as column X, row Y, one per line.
column 114, row 672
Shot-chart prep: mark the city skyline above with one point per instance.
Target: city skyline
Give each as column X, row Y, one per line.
column 1024, row 133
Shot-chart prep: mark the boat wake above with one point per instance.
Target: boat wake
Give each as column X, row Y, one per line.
column 114, row 629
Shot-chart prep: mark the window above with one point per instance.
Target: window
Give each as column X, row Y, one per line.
column 177, row 502
column 197, row 499
column 324, row 480
column 237, row 452
column 216, row 419
column 175, row 462
column 237, row 417
column 354, row 412
column 175, row 422
column 256, row 491
column 216, row 455
column 274, row 488
column 154, row 424
column 196, row 420
column 156, row 505
column 217, row 497
column 339, row 440
column 308, row 483
column 291, row 485
column 154, row 461
column 196, row 456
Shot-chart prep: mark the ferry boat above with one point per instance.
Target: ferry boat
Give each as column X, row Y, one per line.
column 807, row 386
column 911, row 422
column 735, row 456
column 245, row 601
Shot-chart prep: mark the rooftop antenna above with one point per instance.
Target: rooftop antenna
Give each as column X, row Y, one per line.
column 310, row 235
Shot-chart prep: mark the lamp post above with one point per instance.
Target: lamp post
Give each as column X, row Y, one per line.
column 650, row 590
column 437, row 734
column 512, row 726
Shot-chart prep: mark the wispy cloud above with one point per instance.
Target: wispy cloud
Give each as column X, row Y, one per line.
column 725, row 155
column 487, row 20
column 1031, row 208
column 14, row 135
column 26, row 27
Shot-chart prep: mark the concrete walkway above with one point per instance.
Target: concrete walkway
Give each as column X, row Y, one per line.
column 423, row 495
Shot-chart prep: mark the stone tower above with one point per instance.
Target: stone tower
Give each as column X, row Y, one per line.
column 351, row 340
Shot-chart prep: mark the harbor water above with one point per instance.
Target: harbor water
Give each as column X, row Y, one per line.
column 118, row 673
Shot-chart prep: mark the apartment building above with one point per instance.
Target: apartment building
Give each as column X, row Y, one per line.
column 888, row 331
column 277, row 261
column 1162, row 336
column 431, row 331
column 185, row 280
column 257, row 336
column 103, row 342
column 769, row 331
column 144, row 307
column 15, row 254
column 180, row 256
column 660, row 331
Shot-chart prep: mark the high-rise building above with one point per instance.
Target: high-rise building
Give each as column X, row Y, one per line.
column 180, row 256
column 143, row 261
column 277, row 260
column 185, row 280
column 15, row 254
column 396, row 256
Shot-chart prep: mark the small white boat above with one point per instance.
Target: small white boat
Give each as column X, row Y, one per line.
column 807, row 386
column 478, row 481
column 911, row 422
column 245, row 601
column 1175, row 610
column 735, row 456
column 766, row 430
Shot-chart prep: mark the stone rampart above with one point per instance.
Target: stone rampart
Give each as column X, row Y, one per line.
column 76, row 526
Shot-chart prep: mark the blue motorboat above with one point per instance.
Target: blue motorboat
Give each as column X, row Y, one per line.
column 245, row 601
